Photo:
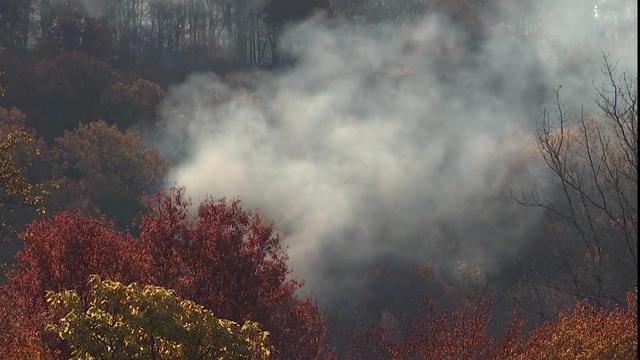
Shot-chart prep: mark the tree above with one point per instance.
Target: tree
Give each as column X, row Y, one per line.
column 15, row 189
column 459, row 334
column 61, row 24
column 586, row 332
column 594, row 166
column 224, row 258
column 16, row 77
column 387, row 293
column 97, row 38
column 230, row 261
column 14, row 23
column 70, row 85
column 583, row 331
column 126, row 104
column 58, row 254
column 12, row 119
column 17, row 149
column 100, row 167
column 150, row 322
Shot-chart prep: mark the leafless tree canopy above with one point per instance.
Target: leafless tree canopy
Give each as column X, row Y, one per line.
column 594, row 163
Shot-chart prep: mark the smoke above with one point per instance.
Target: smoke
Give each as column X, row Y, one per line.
column 385, row 140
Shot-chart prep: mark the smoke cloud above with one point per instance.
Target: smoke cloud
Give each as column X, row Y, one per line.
column 388, row 141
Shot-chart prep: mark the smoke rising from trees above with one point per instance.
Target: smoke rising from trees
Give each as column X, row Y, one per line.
column 383, row 140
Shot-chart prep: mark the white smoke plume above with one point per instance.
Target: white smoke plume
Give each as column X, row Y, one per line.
column 385, row 140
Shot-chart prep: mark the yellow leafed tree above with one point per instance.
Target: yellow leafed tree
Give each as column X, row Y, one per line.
column 149, row 322
column 586, row 333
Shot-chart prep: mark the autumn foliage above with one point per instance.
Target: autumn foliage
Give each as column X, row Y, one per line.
column 101, row 167
column 459, row 334
column 113, row 270
column 71, row 84
column 224, row 258
column 119, row 321
column 126, row 104
column 16, row 144
column 587, row 333
column 584, row 332
column 18, row 148
column 230, row 262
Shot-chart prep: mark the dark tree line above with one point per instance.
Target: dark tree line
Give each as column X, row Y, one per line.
column 151, row 35
column 240, row 31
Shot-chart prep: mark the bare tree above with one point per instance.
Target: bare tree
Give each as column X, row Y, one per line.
column 593, row 162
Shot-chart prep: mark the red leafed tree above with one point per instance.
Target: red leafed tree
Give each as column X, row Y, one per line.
column 59, row 254
column 223, row 257
column 584, row 331
column 230, row 261
column 458, row 335
column 463, row 334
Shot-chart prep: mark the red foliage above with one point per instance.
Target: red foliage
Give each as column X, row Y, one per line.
column 58, row 254
column 461, row 334
column 224, row 258
column 230, row 261
column 371, row 343
column 583, row 332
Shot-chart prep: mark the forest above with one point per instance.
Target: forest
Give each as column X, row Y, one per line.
column 318, row 179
